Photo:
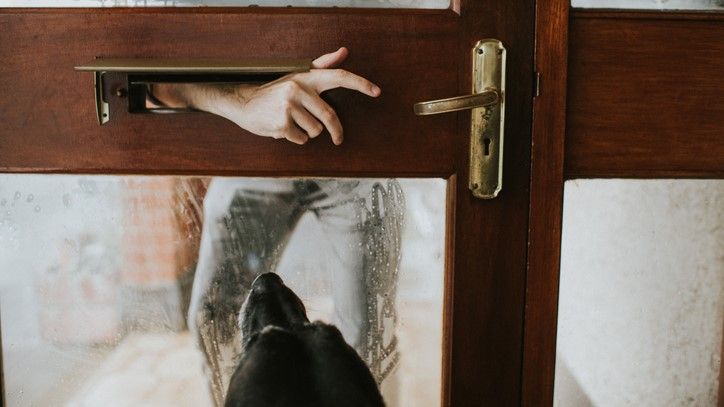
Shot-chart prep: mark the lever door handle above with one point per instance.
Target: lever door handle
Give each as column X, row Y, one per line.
column 487, row 105
column 483, row 99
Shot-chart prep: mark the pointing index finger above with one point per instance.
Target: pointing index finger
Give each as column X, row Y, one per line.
column 326, row 79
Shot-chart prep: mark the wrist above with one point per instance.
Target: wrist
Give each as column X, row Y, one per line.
column 188, row 95
column 224, row 100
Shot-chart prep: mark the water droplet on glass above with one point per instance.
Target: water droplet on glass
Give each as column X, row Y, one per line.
column 37, row 208
column 66, row 200
column 17, row 195
column 3, row 202
column 30, row 198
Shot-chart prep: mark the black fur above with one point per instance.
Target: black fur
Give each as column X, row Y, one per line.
column 288, row 361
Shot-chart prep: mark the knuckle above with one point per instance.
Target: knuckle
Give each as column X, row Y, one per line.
column 280, row 126
column 290, row 88
column 328, row 114
column 286, row 107
column 342, row 74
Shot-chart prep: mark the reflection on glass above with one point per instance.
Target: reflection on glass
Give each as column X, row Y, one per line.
column 126, row 290
column 426, row 4
column 641, row 293
column 652, row 4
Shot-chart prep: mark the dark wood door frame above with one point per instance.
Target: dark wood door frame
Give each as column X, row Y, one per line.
column 623, row 94
column 562, row 147
column 546, row 202
column 429, row 59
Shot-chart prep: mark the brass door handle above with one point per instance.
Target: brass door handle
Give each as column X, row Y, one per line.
column 483, row 99
column 487, row 105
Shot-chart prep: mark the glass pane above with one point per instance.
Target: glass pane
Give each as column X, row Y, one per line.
column 641, row 293
column 427, row 4
column 100, row 274
column 652, row 4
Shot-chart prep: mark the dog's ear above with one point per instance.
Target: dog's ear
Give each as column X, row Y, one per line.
column 339, row 369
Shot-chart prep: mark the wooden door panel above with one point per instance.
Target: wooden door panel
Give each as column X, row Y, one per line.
column 645, row 95
column 413, row 55
column 56, row 110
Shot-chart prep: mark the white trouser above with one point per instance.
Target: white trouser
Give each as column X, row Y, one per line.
column 247, row 224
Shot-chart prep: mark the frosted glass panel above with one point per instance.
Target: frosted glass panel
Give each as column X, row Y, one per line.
column 127, row 290
column 652, row 4
column 427, row 4
column 641, row 293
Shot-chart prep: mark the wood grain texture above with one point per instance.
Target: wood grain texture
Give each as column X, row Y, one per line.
column 491, row 236
column 53, row 108
column 49, row 126
column 546, row 204
column 646, row 95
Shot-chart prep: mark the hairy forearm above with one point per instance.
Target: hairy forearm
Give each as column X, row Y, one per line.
column 206, row 97
column 290, row 107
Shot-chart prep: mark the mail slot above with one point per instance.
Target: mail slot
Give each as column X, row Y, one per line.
column 134, row 78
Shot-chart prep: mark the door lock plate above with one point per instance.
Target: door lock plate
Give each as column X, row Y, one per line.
column 487, row 106
column 486, row 123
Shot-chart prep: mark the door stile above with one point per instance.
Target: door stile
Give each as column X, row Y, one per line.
column 546, row 206
column 491, row 236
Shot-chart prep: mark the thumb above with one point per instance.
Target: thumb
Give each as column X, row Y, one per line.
column 331, row 60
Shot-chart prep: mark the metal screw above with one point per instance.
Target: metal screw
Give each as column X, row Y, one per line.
column 480, row 51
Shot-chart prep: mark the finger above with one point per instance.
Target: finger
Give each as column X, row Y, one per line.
column 331, row 60
column 326, row 79
column 307, row 122
column 295, row 135
column 324, row 113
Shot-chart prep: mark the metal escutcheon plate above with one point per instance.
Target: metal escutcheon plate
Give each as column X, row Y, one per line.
column 486, row 123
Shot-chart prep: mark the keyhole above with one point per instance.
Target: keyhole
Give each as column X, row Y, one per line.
column 486, row 144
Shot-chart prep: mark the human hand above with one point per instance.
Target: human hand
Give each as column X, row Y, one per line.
column 289, row 107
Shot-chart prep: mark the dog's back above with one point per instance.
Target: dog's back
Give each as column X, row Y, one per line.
column 288, row 361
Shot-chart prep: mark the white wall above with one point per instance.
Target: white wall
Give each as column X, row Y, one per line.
column 641, row 293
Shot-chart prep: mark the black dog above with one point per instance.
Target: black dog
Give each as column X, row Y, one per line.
column 288, row 361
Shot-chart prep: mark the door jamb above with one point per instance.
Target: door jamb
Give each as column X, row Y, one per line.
column 546, row 203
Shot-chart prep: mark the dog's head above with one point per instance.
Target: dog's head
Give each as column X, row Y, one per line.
column 288, row 361
column 270, row 303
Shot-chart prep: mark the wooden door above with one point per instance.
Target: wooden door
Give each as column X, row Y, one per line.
column 617, row 111
column 48, row 126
